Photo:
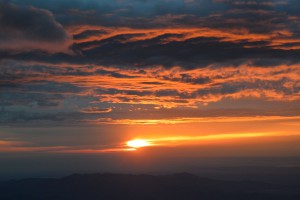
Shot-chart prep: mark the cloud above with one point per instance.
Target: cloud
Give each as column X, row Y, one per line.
column 136, row 59
column 117, row 33
column 26, row 28
column 67, row 94
column 96, row 110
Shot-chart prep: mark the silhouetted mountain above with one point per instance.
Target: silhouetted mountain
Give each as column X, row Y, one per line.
column 143, row 187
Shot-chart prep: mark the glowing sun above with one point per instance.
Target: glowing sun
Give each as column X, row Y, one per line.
column 137, row 143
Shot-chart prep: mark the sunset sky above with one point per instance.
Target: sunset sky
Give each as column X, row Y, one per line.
column 150, row 82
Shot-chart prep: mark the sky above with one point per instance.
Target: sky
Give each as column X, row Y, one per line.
column 145, row 85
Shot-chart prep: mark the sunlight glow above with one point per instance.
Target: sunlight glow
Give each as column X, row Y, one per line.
column 137, row 143
column 183, row 140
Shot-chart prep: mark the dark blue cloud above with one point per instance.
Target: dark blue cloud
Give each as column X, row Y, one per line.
column 25, row 28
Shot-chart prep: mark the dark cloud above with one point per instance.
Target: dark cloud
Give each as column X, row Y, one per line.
column 26, row 28
column 28, row 99
column 121, row 13
column 113, row 74
column 140, row 58
column 191, row 53
column 103, row 45
column 88, row 33
column 186, row 78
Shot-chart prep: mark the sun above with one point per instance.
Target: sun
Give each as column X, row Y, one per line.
column 137, row 143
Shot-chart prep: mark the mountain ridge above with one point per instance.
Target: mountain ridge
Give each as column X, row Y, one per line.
column 142, row 186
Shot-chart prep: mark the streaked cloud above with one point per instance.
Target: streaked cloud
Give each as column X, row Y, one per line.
column 81, row 93
column 140, row 62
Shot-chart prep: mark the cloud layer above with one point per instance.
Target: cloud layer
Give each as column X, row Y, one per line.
column 25, row 28
column 94, row 61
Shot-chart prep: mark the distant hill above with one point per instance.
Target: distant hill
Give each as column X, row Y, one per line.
column 143, row 187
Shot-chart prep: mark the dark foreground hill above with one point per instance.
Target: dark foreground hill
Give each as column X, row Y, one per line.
column 143, row 187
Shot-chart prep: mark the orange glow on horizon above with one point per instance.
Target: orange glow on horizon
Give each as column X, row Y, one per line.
column 184, row 140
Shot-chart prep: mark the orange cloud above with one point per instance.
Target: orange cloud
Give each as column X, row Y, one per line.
column 176, row 86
